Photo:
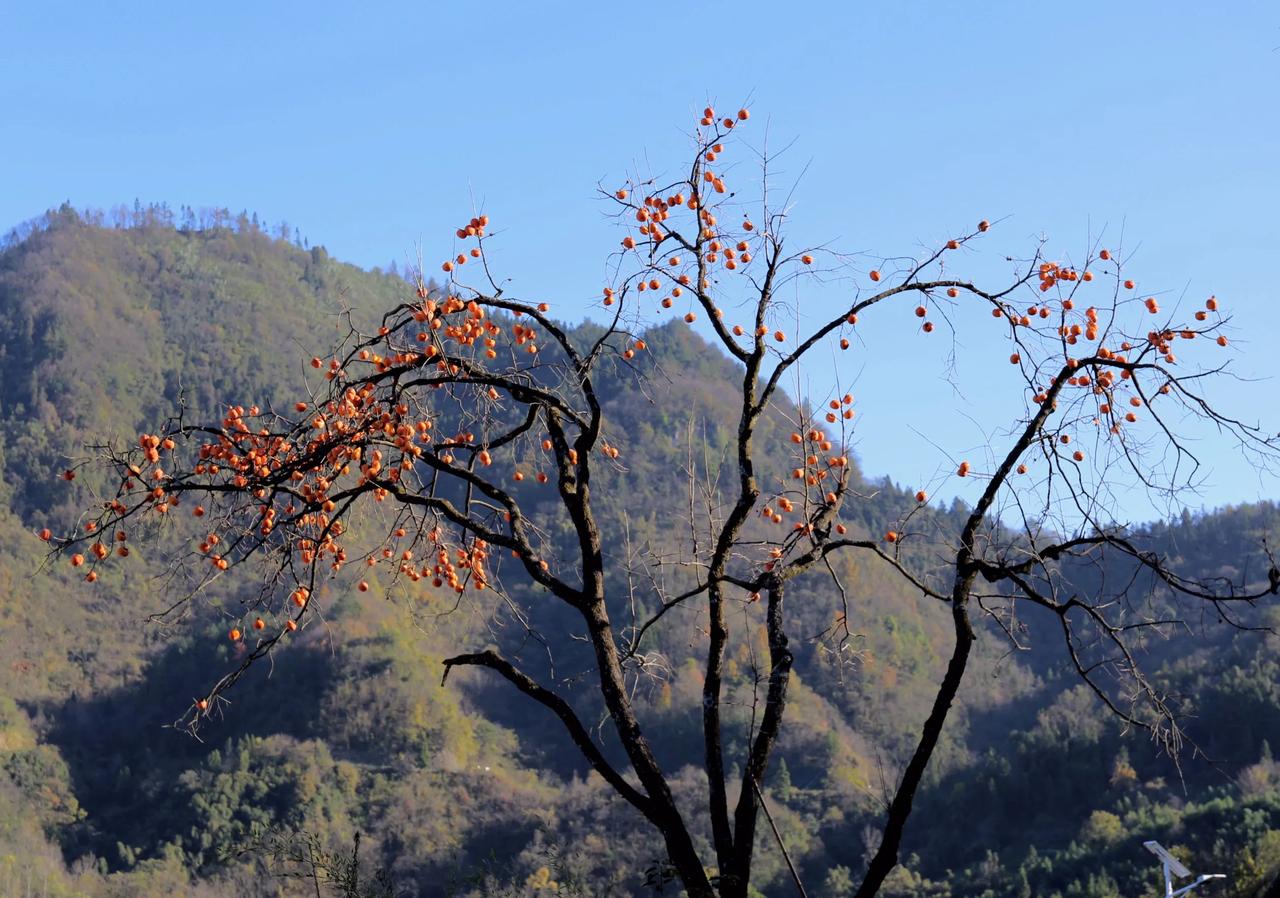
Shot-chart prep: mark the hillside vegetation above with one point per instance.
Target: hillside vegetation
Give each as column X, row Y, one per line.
column 465, row 789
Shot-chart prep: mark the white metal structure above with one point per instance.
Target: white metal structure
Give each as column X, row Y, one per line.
column 1174, row 868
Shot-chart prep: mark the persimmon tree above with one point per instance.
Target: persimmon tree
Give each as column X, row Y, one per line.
column 465, row 399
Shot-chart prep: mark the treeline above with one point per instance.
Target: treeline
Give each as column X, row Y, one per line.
column 185, row 219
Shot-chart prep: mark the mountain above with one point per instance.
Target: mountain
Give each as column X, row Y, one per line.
column 465, row 789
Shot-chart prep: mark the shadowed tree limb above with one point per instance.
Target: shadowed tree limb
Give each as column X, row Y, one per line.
column 558, row 706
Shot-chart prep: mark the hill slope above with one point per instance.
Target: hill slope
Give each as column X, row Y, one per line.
column 462, row 788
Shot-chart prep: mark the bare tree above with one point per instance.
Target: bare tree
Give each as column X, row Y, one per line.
column 462, row 400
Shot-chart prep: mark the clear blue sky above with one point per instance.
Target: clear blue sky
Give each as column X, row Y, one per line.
column 374, row 127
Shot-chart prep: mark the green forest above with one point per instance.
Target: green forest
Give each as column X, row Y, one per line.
column 347, row 744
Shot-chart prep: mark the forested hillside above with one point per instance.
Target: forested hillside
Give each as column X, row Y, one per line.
column 465, row 789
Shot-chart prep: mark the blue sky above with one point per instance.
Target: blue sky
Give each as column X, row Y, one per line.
column 376, row 128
